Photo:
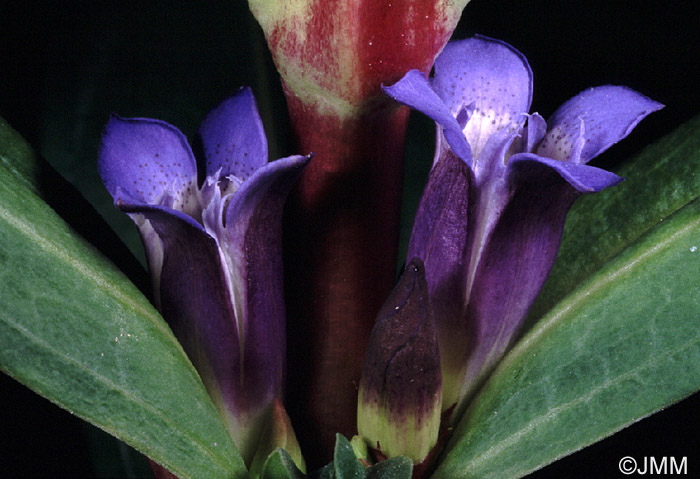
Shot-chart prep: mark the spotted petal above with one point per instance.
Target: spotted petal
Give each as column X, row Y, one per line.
column 592, row 121
column 150, row 161
column 490, row 75
column 233, row 138
column 415, row 91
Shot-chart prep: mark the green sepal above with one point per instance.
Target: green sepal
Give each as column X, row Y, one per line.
column 326, row 472
column 278, row 434
column 345, row 462
column 280, row 465
column 359, row 446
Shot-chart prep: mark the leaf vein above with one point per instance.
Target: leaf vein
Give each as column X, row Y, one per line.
column 128, row 395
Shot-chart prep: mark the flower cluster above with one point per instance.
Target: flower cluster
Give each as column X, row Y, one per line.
column 485, row 237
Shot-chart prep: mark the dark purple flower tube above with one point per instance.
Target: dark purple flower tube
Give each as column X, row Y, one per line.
column 400, row 395
column 490, row 220
column 214, row 251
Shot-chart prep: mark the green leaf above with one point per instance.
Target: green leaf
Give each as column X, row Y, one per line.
column 76, row 331
column 399, row 467
column 326, row 472
column 280, row 465
column 623, row 345
column 345, row 463
column 659, row 181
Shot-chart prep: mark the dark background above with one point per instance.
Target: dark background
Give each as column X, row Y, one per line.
column 65, row 66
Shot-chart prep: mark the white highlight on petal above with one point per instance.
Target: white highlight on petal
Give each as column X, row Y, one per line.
column 559, row 145
column 215, row 194
column 154, row 251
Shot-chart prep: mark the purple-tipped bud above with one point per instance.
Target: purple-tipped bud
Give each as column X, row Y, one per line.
column 401, row 390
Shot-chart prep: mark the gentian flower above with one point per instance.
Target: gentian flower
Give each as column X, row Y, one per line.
column 214, row 252
column 492, row 214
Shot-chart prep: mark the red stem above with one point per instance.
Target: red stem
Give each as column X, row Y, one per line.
column 341, row 228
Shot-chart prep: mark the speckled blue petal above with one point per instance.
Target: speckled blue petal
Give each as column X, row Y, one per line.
column 489, row 238
column 150, row 161
column 490, row 75
column 233, row 137
column 592, row 121
column 415, row 91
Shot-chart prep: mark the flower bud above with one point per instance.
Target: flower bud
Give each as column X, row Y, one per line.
column 400, row 390
column 279, row 433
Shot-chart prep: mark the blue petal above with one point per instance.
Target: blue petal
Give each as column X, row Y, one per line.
column 272, row 182
column 519, row 251
column 243, row 375
column 490, row 75
column 517, row 255
column 252, row 240
column 439, row 238
column 233, row 137
column 592, row 121
column 583, row 178
column 533, row 133
column 415, row 91
column 149, row 161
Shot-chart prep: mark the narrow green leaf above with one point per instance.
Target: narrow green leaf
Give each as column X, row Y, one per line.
column 660, row 180
column 280, row 465
column 18, row 157
column 395, row 468
column 345, row 462
column 623, row 345
column 76, row 331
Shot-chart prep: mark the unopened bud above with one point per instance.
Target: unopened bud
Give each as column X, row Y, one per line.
column 400, row 390
column 279, row 433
